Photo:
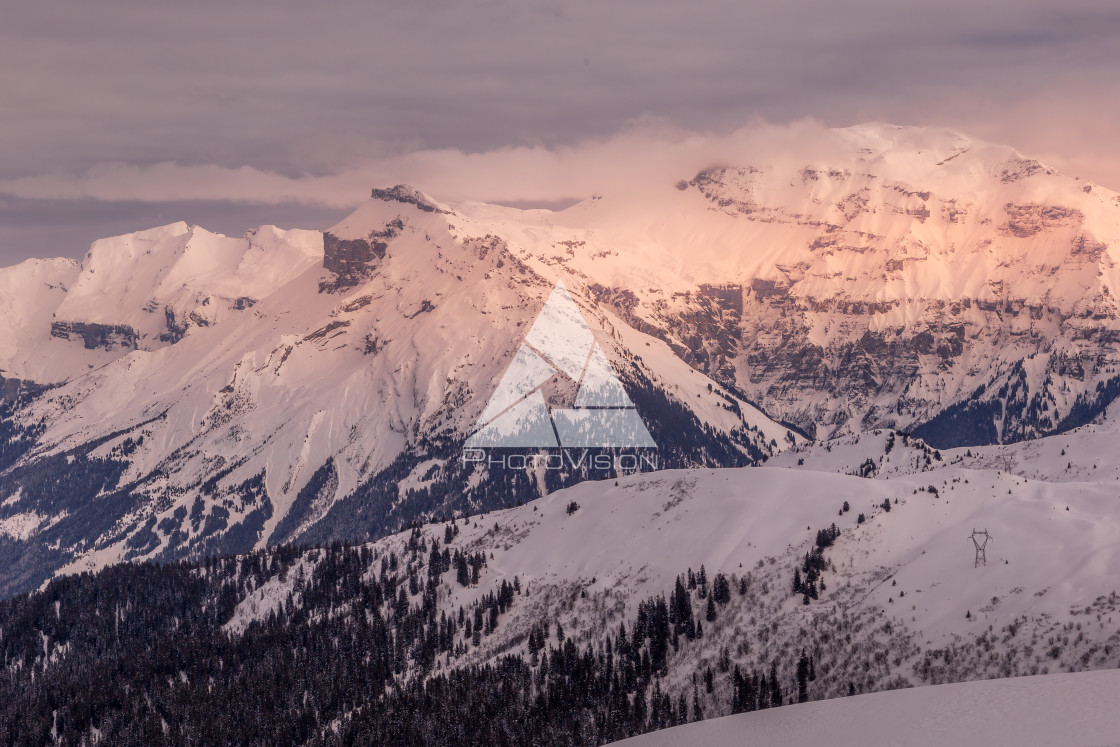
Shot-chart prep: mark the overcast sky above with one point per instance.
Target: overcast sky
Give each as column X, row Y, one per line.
column 120, row 115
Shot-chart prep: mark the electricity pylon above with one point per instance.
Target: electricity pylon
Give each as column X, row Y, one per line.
column 980, row 542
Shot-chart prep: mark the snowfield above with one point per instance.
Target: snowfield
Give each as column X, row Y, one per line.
column 1058, row 709
column 1055, row 546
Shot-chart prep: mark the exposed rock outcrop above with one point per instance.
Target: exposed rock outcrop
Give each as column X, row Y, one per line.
column 350, row 262
column 409, row 196
column 95, row 335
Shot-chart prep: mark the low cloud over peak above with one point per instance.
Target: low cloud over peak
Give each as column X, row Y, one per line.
column 288, row 103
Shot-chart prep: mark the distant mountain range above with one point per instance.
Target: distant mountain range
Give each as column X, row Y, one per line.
column 180, row 393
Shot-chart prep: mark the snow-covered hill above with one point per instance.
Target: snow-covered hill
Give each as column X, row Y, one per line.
column 179, row 393
column 680, row 587
column 878, row 453
column 1084, row 454
column 902, row 601
column 1068, row 709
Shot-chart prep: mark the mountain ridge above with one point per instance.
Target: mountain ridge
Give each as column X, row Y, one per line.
column 222, row 388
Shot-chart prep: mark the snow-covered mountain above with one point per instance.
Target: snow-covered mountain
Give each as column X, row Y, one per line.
column 179, row 392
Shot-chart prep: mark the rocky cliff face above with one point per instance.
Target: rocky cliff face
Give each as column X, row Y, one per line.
column 349, row 261
column 94, row 335
column 971, row 299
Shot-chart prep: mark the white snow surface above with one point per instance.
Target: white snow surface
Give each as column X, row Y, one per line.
column 1073, row 710
column 1085, row 454
column 905, row 604
column 267, row 598
column 21, row 526
column 643, row 532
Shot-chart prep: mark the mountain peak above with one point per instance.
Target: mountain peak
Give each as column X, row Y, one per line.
column 409, row 195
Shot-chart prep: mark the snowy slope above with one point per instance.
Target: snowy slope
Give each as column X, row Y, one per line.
column 1043, row 559
column 1085, row 454
column 878, row 453
column 29, row 294
column 903, row 605
column 1067, row 709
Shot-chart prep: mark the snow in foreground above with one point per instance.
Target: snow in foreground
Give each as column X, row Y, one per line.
column 1056, row 709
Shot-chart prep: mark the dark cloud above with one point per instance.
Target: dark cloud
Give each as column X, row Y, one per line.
column 304, row 89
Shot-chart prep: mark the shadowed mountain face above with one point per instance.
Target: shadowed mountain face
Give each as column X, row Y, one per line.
column 179, row 392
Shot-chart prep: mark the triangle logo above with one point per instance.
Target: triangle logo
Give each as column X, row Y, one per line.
column 560, row 346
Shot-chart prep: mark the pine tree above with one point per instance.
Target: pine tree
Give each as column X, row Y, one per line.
column 803, row 678
column 462, row 572
column 775, row 686
column 721, row 589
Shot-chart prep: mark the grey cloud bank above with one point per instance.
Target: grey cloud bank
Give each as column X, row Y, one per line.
column 121, row 111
